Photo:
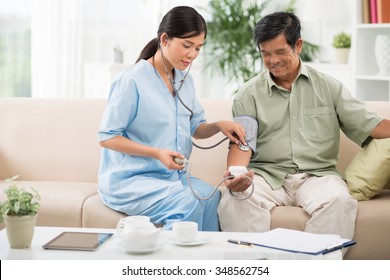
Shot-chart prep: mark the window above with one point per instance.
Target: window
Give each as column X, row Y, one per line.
column 15, row 48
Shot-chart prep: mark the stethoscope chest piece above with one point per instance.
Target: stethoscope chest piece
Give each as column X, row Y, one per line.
column 243, row 147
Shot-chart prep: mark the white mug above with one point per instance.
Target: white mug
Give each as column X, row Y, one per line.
column 185, row 231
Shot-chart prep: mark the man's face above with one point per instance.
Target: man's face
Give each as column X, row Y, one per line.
column 279, row 58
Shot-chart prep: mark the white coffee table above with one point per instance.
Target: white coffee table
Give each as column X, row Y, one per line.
column 216, row 249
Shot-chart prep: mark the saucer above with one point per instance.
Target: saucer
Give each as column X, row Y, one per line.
column 141, row 251
column 197, row 241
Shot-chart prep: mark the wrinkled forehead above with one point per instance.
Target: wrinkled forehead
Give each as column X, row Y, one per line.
column 277, row 43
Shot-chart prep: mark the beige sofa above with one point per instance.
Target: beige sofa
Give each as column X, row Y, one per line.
column 52, row 145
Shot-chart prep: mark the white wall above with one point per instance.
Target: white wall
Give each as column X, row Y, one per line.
column 320, row 22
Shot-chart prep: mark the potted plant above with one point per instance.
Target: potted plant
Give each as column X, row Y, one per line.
column 19, row 213
column 342, row 44
column 229, row 48
column 118, row 54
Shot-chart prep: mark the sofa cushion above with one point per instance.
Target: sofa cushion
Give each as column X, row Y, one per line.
column 97, row 215
column 372, row 229
column 280, row 219
column 369, row 171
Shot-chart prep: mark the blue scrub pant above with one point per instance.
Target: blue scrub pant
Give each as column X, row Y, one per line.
column 184, row 206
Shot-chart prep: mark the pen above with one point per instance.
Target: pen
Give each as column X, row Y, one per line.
column 238, row 242
column 335, row 246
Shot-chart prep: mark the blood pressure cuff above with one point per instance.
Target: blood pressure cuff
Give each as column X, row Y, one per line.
column 250, row 125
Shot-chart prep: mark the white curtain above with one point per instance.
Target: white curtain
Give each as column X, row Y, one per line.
column 73, row 41
column 67, row 34
column 56, row 48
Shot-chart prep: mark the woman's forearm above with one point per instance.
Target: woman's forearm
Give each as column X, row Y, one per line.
column 127, row 146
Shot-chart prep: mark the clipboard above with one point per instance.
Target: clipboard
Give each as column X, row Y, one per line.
column 296, row 241
column 80, row 241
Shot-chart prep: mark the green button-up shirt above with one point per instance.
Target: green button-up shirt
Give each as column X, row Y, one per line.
column 299, row 130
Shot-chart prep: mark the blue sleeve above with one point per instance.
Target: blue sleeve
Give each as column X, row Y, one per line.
column 198, row 116
column 188, row 95
column 120, row 110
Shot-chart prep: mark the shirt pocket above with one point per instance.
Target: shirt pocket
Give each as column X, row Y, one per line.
column 320, row 124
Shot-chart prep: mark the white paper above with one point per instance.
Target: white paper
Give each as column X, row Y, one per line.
column 297, row 241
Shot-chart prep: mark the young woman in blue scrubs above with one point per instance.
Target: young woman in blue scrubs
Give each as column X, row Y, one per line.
column 151, row 116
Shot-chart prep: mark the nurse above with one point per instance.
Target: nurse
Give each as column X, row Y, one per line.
column 150, row 118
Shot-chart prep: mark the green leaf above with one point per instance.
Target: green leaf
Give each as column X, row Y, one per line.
column 19, row 202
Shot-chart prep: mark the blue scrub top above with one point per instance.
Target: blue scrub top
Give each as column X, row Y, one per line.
column 140, row 107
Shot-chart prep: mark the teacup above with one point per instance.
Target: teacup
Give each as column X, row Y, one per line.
column 185, row 231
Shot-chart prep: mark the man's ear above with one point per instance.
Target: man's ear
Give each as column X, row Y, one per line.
column 298, row 46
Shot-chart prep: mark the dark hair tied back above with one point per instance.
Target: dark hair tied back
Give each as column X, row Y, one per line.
column 179, row 22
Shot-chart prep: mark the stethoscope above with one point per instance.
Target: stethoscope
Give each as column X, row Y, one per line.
column 242, row 147
column 185, row 161
column 172, row 82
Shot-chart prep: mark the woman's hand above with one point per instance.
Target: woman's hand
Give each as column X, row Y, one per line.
column 233, row 130
column 239, row 183
column 166, row 157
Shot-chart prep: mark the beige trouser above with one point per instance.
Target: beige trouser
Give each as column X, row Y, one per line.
column 326, row 199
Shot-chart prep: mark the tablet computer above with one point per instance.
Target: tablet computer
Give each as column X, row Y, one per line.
column 84, row 241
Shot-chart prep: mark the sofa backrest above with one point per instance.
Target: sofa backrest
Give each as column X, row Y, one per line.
column 56, row 139
column 210, row 164
column 50, row 139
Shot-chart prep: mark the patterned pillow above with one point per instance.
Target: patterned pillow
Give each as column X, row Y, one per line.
column 369, row 170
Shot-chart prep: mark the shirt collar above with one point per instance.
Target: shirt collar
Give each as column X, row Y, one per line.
column 303, row 70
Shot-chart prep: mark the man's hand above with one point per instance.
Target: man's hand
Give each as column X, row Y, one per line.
column 239, row 183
